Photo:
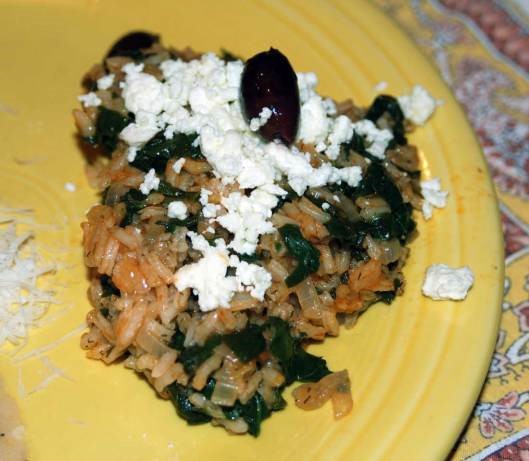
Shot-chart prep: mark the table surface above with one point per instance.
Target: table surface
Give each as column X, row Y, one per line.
column 481, row 49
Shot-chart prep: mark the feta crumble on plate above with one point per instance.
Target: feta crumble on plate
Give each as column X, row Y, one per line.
column 433, row 195
column 446, row 283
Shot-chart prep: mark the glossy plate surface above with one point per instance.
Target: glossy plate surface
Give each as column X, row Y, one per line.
column 416, row 366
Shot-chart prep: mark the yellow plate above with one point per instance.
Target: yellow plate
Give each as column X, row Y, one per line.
column 416, row 366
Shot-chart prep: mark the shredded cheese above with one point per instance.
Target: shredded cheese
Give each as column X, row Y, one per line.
column 22, row 302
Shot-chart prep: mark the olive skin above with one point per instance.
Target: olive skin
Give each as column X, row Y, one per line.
column 131, row 44
column 268, row 80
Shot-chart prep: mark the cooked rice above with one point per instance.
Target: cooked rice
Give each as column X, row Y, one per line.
column 138, row 314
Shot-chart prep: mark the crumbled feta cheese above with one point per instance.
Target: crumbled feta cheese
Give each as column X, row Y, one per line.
column 70, row 187
column 90, row 99
column 177, row 166
column 132, row 151
column 140, row 131
column 330, row 106
column 207, row 277
column 314, row 122
column 352, row 175
column 443, row 282
column 342, row 131
column 248, row 218
column 307, row 82
column 177, row 209
column 433, row 196
column 336, row 198
column 418, row 106
column 202, row 97
column 325, row 206
column 209, row 210
column 104, row 83
column 144, row 93
column 256, row 279
column 380, row 86
column 150, row 182
column 258, row 122
column 378, row 139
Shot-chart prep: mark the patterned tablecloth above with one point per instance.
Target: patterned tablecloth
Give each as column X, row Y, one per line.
column 481, row 48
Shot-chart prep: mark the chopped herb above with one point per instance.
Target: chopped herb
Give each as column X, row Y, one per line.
column 159, row 150
column 108, row 287
column 308, row 257
column 186, row 410
column 384, row 104
column 253, row 412
column 108, row 126
column 192, row 357
column 134, row 201
column 278, row 246
column 247, row 344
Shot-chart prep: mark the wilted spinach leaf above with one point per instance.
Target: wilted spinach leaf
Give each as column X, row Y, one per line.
column 247, row 344
column 254, row 257
column 172, row 223
column 306, row 367
column 388, row 296
column 400, row 223
column 109, row 124
column 134, row 201
column 177, row 340
column 390, row 105
column 192, row 357
column 228, row 56
column 297, row 364
column 108, row 287
column 253, row 412
column 185, row 409
column 308, row 257
column 357, row 144
column 157, row 152
column 166, row 189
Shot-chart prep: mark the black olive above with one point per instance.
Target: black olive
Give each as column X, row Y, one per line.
column 268, row 80
column 131, row 44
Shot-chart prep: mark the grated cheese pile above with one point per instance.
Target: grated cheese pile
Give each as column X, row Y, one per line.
column 22, row 303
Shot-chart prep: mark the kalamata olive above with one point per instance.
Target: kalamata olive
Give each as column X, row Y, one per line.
column 131, row 44
column 268, row 80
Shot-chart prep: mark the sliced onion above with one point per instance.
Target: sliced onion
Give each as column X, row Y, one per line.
column 335, row 386
column 385, row 251
column 308, row 299
column 149, row 341
column 225, row 393
column 313, row 211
